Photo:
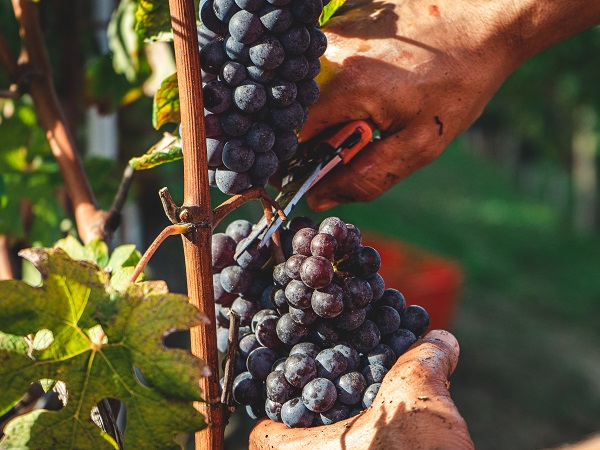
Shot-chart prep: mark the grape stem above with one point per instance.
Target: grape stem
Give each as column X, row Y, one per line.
column 234, row 328
column 238, row 200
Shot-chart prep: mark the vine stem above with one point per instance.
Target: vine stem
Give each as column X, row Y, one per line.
column 196, row 202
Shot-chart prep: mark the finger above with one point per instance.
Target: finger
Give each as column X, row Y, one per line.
column 378, row 167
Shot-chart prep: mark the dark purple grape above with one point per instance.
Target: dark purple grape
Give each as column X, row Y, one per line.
column 235, row 123
column 214, row 150
column 308, row 91
column 235, row 279
column 299, row 369
column 324, row 334
column 222, row 339
column 260, row 137
column 266, row 332
column 210, row 20
column 278, row 365
column 281, row 92
column 237, row 51
column 273, row 410
column 357, row 293
column 350, row 388
column 319, row 395
column 324, row 245
column 280, row 276
column 295, row 415
column 223, row 248
column 289, row 331
column 246, row 308
column 302, row 240
column 259, row 362
column 256, row 411
column 276, row 20
column 386, row 318
column 217, row 97
column 246, row 389
column 365, row 262
column 307, row 11
column 400, row 340
column 212, row 125
column 382, row 355
column 306, row 348
column 377, row 286
column 260, row 75
column 373, row 373
column 250, row 5
column 336, row 413
column 366, row 337
column 351, row 319
column 265, row 165
column 237, row 156
column 205, row 36
column 295, row 40
column 247, row 344
column 416, row 319
column 267, row 53
column 370, row 394
column 303, row 316
column 298, row 294
column 300, row 222
column 331, row 364
column 316, row 272
column 318, row 44
column 350, row 353
column 265, row 298
column 278, row 388
column 328, row 302
column 222, row 297
column 212, row 57
column 233, row 73
column 293, row 265
column 260, row 315
column 393, row 298
column 207, row 77
column 225, row 9
column 249, row 96
column 293, row 68
column 335, row 227
column 279, row 299
column 289, row 117
column 238, row 229
column 286, row 144
column 253, row 257
column 314, row 67
column 245, row 27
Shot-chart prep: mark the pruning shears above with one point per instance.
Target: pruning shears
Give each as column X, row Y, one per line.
column 317, row 159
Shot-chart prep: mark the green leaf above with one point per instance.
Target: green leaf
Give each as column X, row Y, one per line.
column 166, row 150
column 75, row 300
column 329, row 10
column 124, row 42
column 166, row 103
column 153, row 21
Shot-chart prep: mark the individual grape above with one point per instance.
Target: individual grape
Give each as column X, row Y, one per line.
column 357, row 293
column 314, row 67
column 235, row 279
column 256, row 411
column 370, row 394
column 207, row 77
column 382, row 355
column 266, row 332
column 365, row 262
column 210, row 20
column 303, row 316
column 373, row 373
column 274, row 19
column 212, row 57
column 324, row 245
column 259, row 75
column 350, row 354
column 293, row 68
column 225, row 9
column 377, row 286
column 261, row 315
column 249, row 96
column 278, row 387
column 278, row 365
column 299, row 369
column 253, row 257
column 318, row 44
column 246, row 389
column 237, row 51
column 280, row 276
column 222, row 339
column 415, row 319
column 331, row 363
column 351, row 319
column 293, row 265
column 324, row 334
column 393, row 298
column 267, row 53
column 302, row 240
column 205, row 35
column 400, row 340
column 286, row 144
column 273, row 410
column 294, row 414
column 260, row 137
column 247, row 344
column 245, row 27
column 299, row 222
column 335, row 227
column 235, row 123
column 336, row 413
column 238, row 230
column 237, row 156
column 289, row 117
column 386, row 318
column 295, row 40
column 306, row 348
column 308, row 91
column 259, row 362
column 212, row 125
column 214, row 151
column 222, row 297
column 289, row 331
column 350, row 388
column 366, row 337
column 246, row 308
column 319, row 395
column 233, row 73
column 316, row 272
column 217, row 97
column 307, row 11
column 279, row 299
column 298, row 294
column 328, row 302
column 265, row 165
column 250, row 5
column 223, row 248
column 281, row 92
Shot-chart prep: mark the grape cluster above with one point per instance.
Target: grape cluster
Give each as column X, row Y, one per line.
column 316, row 343
column 259, row 59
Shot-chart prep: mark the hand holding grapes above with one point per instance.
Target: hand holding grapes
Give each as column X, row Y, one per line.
column 413, row 409
column 423, row 72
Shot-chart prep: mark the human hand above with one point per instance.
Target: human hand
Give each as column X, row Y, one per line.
column 413, row 409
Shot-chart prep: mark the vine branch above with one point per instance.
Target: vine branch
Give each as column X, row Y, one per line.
column 238, row 200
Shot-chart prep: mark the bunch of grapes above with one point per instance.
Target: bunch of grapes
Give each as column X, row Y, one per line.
column 324, row 332
column 259, row 59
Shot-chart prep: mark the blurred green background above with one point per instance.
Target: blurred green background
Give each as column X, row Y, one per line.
column 514, row 201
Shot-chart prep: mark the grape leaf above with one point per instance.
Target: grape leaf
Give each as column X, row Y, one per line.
column 98, row 336
column 153, row 21
column 165, row 107
column 329, row 10
column 166, row 150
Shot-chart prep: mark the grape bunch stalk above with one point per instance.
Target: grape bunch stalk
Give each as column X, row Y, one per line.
column 318, row 333
column 259, row 59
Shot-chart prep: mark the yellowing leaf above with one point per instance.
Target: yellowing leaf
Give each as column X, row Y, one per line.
column 166, row 103
column 166, row 150
column 329, row 10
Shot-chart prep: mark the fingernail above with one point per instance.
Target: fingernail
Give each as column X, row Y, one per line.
column 443, row 335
